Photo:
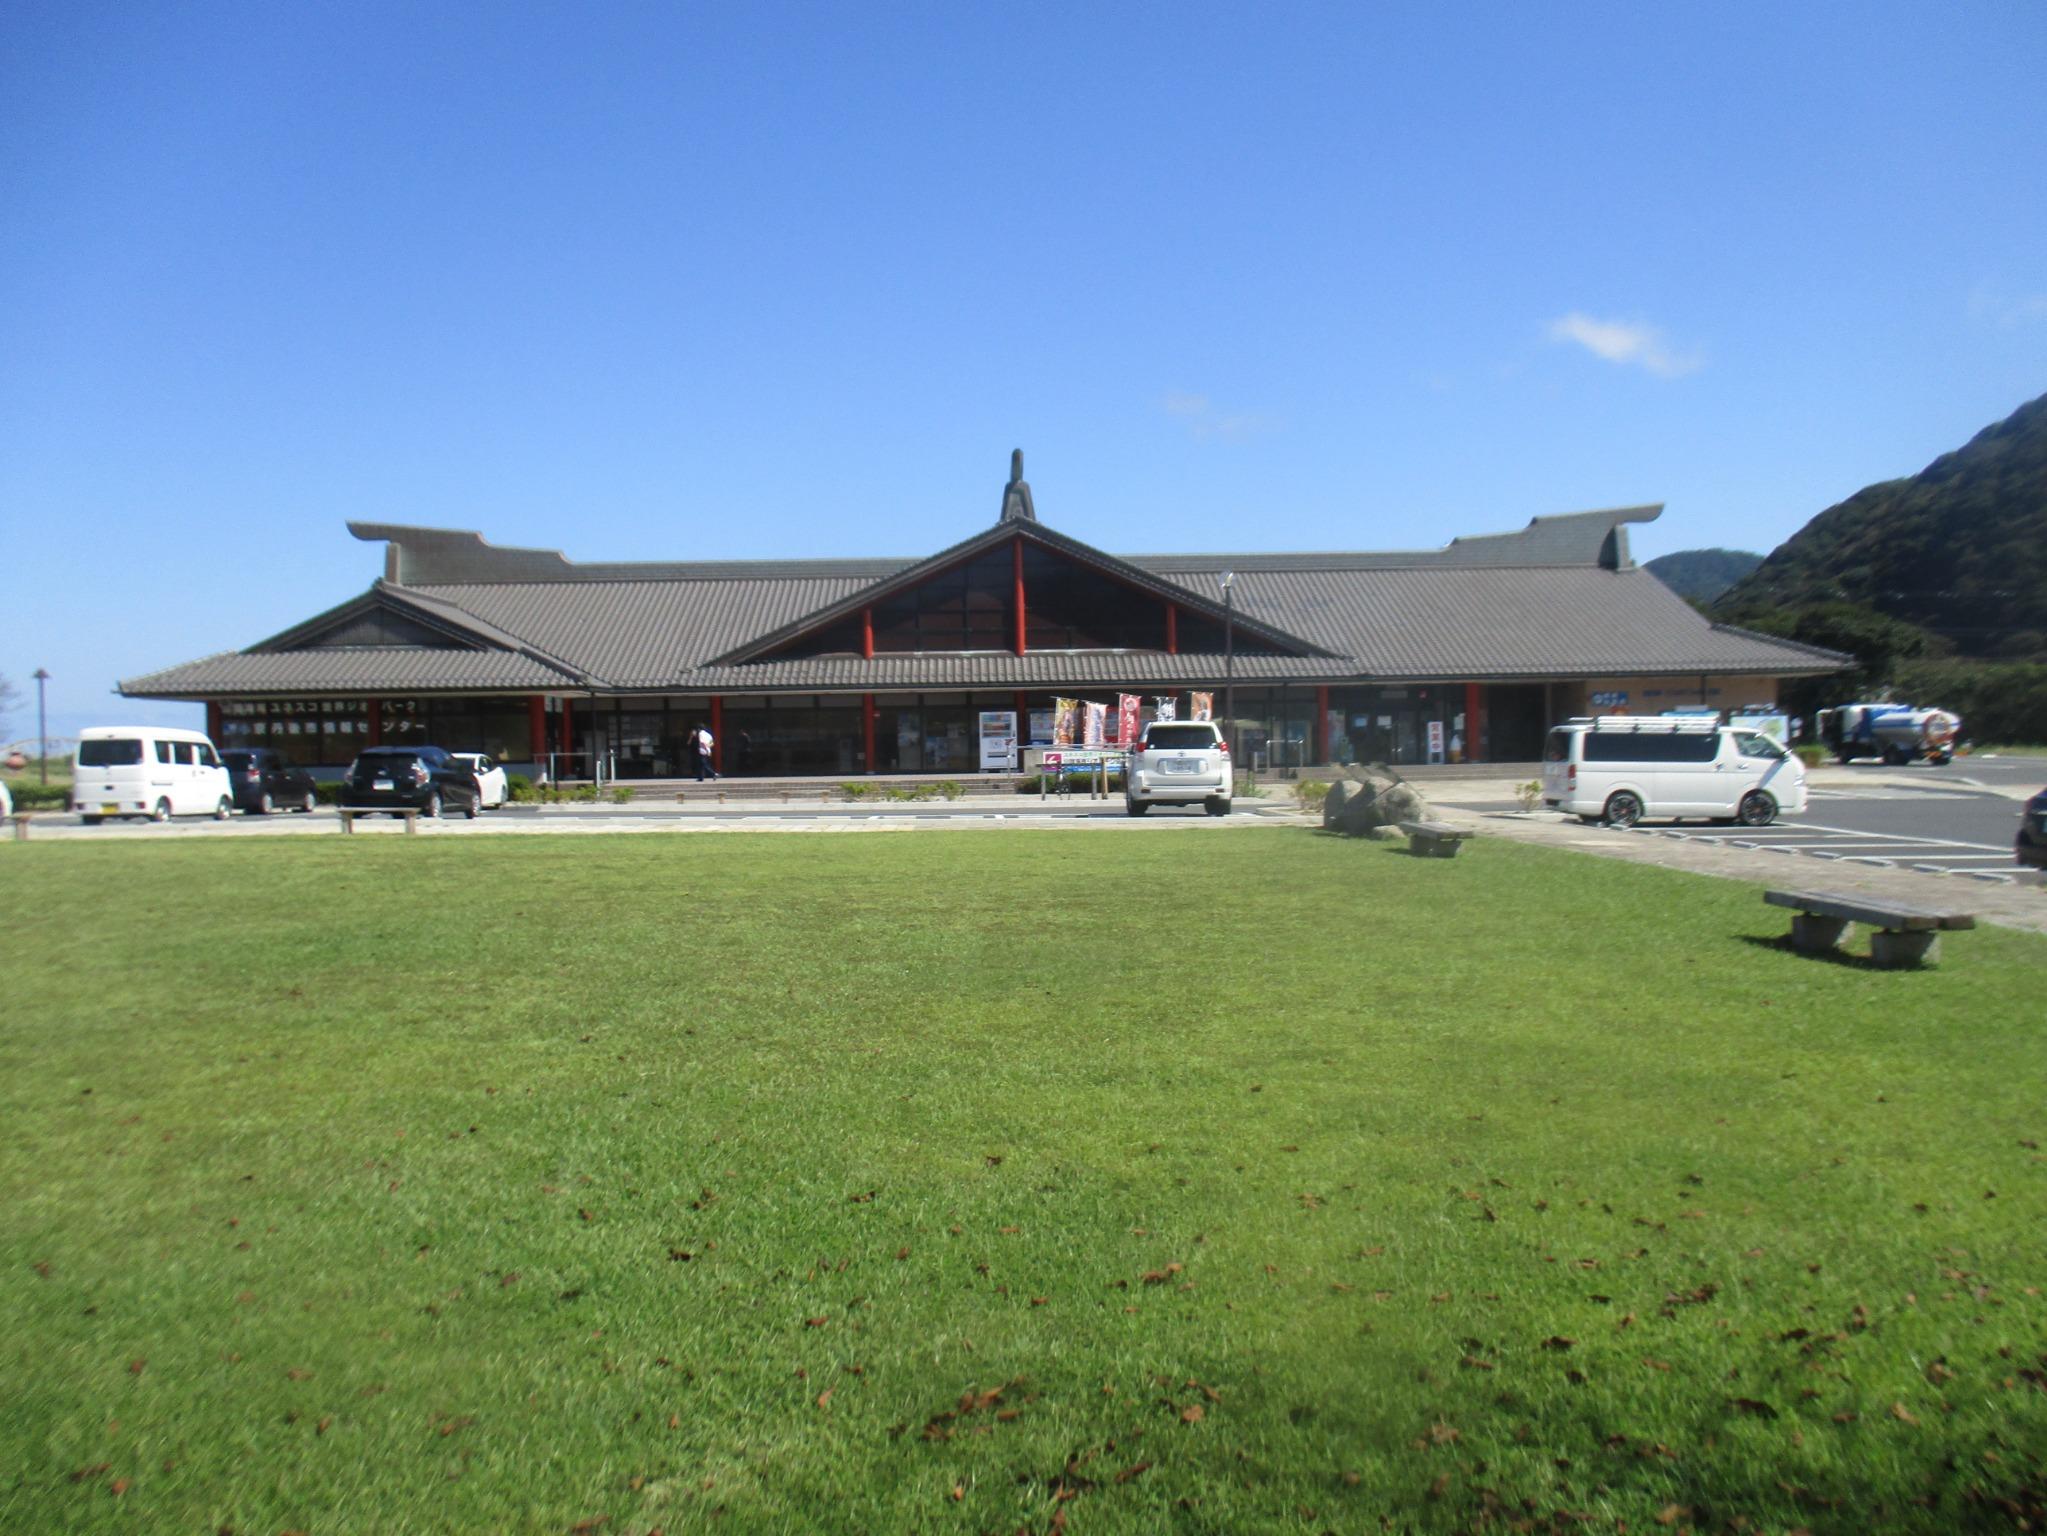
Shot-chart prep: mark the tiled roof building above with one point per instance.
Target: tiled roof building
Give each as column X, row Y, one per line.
column 851, row 666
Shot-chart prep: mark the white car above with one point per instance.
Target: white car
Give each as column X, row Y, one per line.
column 147, row 770
column 1179, row 762
column 1622, row 768
column 490, row 775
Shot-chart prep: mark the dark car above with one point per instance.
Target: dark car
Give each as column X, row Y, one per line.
column 2031, row 844
column 424, row 779
column 262, row 781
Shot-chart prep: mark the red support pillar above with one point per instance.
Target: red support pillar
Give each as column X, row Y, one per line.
column 717, row 733
column 213, row 722
column 568, row 731
column 1474, row 723
column 1016, row 567
column 536, row 727
column 1172, row 629
column 867, row 726
column 1321, row 722
column 374, row 708
column 867, row 633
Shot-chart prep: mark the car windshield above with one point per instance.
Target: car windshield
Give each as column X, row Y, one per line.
column 1179, row 738
column 1753, row 744
column 241, row 762
column 110, row 752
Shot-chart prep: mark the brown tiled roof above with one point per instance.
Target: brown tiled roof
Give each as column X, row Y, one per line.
column 1557, row 599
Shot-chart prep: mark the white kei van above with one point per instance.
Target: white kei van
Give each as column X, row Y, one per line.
column 1621, row 768
column 147, row 770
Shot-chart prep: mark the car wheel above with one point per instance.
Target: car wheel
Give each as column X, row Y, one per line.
column 432, row 808
column 1894, row 757
column 264, row 806
column 1217, row 807
column 1756, row 809
column 89, row 821
column 225, row 809
column 473, row 807
column 1136, row 807
column 162, row 811
column 1623, row 809
column 306, row 805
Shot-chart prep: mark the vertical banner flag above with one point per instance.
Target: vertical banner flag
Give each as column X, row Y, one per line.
column 1168, row 707
column 1063, row 711
column 1097, row 715
column 1204, row 707
column 1127, row 706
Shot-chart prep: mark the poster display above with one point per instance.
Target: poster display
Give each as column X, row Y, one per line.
column 1064, row 721
column 1041, row 727
column 1127, row 707
column 1168, row 706
column 1097, row 719
column 1204, row 707
column 998, row 741
column 1435, row 741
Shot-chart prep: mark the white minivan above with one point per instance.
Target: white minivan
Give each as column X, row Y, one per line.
column 1621, row 768
column 156, row 771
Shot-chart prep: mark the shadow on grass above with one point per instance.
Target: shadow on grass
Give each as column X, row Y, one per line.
column 1781, row 942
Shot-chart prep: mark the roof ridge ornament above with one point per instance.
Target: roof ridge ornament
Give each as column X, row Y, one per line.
column 1016, row 496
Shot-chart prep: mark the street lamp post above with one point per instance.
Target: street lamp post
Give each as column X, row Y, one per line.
column 1229, row 579
column 42, row 729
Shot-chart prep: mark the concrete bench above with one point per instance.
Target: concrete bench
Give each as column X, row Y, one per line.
column 1902, row 935
column 20, row 821
column 350, row 812
column 1433, row 839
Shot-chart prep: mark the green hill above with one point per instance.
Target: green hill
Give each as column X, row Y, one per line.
column 1702, row 574
column 1959, row 549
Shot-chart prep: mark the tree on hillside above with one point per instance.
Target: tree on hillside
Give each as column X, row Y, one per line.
column 1878, row 642
column 1959, row 549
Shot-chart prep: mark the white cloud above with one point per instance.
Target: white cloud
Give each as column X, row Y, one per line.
column 1624, row 342
column 2006, row 309
column 1205, row 421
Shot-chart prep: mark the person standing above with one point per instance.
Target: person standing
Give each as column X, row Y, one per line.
column 704, row 746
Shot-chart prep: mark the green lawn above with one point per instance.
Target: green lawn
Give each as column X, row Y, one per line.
column 1238, row 1181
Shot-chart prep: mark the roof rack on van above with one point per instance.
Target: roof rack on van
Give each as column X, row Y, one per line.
column 1652, row 725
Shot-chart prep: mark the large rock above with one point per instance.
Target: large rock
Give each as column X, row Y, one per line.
column 1375, row 797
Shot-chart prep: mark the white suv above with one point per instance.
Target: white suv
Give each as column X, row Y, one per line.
column 1179, row 762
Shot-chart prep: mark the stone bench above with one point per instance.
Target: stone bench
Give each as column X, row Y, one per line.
column 1902, row 935
column 350, row 812
column 1433, row 839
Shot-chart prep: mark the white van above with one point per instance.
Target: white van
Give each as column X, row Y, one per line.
column 147, row 770
column 1621, row 768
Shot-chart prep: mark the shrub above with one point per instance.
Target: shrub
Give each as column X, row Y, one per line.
column 519, row 788
column 37, row 796
column 619, row 794
column 329, row 793
column 1310, row 794
column 1528, row 795
column 856, row 791
column 949, row 789
column 1810, row 755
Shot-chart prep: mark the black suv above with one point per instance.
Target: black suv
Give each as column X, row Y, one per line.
column 2030, row 847
column 423, row 779
column 262, row 782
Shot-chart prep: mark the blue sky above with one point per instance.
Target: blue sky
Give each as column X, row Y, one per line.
column 671, row 281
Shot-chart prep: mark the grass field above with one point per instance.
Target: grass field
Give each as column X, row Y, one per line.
column 1224, row 1182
